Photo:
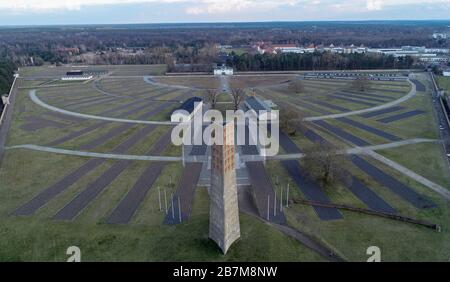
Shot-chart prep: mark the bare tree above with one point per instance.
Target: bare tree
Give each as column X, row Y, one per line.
column 296, row 86
column 325, row 163
column 238, row 96
column 291, row 121
column 211, row 96
column 361, row 84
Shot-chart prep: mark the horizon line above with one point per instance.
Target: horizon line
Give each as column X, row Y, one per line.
column 222, row 22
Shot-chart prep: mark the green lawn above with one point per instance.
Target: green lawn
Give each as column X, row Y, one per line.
column 444, row 83
column 426, row 159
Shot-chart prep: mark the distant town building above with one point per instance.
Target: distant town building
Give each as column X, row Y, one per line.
column 446, row 72
column 440, row 35
column 77, row 78
column 224, row 227
column 74, row 73
column 288, row 48
column 223, row 70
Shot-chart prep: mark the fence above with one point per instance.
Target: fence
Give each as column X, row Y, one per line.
column 427, row 224
column 2, row 117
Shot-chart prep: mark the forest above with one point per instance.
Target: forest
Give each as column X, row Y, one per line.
column 193, row 44
column 316, row 61
column 7, row 69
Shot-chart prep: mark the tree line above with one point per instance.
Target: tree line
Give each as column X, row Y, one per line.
column 191, row 44
column 7, row 69
column 316, row 61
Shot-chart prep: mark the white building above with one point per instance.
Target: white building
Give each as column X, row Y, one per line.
column 440, row 35
column 5, row 100
column 77, row 78
column 223, row 70
column 447, row 72
column 433, row 59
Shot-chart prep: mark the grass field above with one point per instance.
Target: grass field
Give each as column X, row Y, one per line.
column 444, row 83
column 39, row 237
column 193, row 82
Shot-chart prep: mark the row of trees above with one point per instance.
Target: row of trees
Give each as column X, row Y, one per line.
column 316, row 61
column 7, row 69
column 193, row 44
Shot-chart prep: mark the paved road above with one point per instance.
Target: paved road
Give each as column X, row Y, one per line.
column 401, row 116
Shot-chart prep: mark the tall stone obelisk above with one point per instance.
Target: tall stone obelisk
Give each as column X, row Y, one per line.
column 224, row 226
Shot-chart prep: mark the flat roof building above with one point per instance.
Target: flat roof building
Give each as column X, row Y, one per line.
column 223, row 70
column 447, row 72
column 262, row 109
column 74, row 72
column 187, row 110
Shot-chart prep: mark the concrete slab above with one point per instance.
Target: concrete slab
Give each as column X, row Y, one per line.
column 382, row 112
column 343, row 134
column 401, row 116
column 402, row 190
column 370, row 129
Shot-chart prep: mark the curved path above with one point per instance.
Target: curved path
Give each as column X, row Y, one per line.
column 151, row 81
column 39, row 102
column 98, row 89
column 410, row 95
column 95, row 155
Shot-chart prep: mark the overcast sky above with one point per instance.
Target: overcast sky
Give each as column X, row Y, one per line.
column 43, row 12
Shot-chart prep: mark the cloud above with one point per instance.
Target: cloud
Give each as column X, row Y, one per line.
column 222, row 7
column 377, row 5
column 226, row 6
column 51, row 5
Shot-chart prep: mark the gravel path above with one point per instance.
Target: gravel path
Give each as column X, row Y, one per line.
column 36, row 100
